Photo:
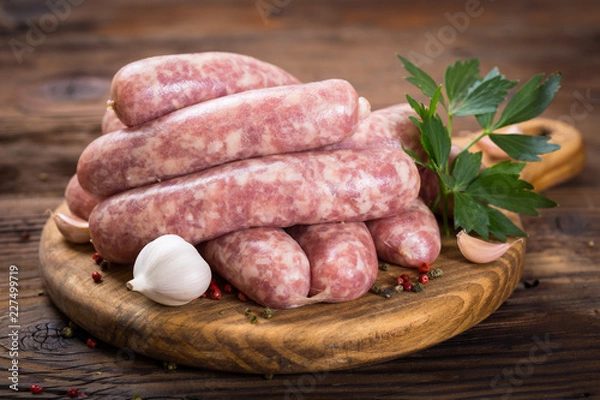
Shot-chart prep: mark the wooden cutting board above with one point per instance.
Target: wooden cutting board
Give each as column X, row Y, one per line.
column 219, row 335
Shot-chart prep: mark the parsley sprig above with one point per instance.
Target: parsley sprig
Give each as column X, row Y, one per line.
column 477, row 195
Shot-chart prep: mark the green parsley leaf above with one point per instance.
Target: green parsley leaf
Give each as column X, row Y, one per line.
column 470, row 215
column 508, row 192
column 524, row 147
column 500, row 225
column 478, row 195
column 507, row 167
column 530, row 100
column 420, row 78
column 459, row 78
column 484, row 96
column 435, row 140
column 466, row 168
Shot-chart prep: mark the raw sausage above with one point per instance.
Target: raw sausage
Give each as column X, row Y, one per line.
column 266, row 264
column 276, row 191
column 146, row 89
column 243, row 125
column 110, row 122
column 386, row 127
column 79, row 202
column 343, row 259
column 410, row 238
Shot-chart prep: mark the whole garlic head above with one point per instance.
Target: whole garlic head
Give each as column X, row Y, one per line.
column 170, row 271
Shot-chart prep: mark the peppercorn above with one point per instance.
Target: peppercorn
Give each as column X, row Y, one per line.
column 268, row 312
column 418, row 287
column 72, row 393
column 215, row 294
column 91, row 343
column 169, row 366
column 383, row 266
column 376, row 288
column 242, row 297
column 35, row 389
column 104, row 265
column 424, row 268
column 405, row 278
column 387, row 293
column 97, row 258
column 97, row 276
column 407, row 286
column 435, row 273
column 228, row 288
column 67, row 332
column 423, row 279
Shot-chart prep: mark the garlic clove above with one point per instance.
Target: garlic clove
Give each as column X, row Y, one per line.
column 73, row 229
column 479, row 251
column 170, row 271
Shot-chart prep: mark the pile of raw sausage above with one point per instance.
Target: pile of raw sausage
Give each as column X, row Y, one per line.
column 291, row 191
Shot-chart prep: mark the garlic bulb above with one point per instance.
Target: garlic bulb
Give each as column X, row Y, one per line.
column 479, row 251
column 170, row 271
column 73, row 229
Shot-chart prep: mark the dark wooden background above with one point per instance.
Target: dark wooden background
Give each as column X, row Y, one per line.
column 57, row 59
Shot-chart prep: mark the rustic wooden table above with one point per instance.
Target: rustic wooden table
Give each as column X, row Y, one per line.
column 56, row 64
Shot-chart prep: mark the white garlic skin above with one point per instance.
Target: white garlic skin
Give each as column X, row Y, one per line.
column 73, row 229
column 170, row 271
column 479, row 251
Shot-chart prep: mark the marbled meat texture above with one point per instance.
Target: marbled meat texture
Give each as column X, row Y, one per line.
column 265, row 264
column 343, row 259
column 149, row 88
column 249, row 124
column 79, row 202
column 277, row 191
column 409, row 238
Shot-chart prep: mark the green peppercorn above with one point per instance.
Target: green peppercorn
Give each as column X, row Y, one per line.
column 169, row 366
column 268, row 312
column 67, row 332
column 418, row 287
column 435, row 273
column 376, row 288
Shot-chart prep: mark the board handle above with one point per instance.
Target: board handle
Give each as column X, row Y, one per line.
column 554, row 168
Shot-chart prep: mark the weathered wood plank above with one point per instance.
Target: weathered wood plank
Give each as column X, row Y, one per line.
column 52, row 102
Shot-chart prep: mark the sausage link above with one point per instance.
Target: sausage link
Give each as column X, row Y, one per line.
column 266, row 264
column 110, row 122
column 146, row 89
column 276, row 191
column 409, row 238
column 252, row 123
column 343, row 259
column 79, row 202
column 385, row 127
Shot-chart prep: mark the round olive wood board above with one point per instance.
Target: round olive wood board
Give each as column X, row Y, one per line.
column 220, row 335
